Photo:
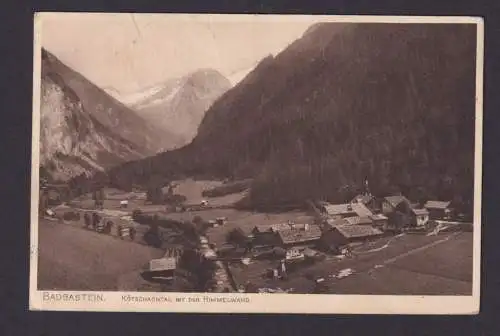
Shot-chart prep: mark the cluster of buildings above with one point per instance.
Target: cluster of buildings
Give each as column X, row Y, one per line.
column 338, row 225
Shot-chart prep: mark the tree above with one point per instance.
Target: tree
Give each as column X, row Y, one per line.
column 154, row 194
column 43, row 202
column 236, row 237
column 152, row 236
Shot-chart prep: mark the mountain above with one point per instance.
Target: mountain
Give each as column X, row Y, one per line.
column 178, row 105
column 83, row 129
column 391, row 102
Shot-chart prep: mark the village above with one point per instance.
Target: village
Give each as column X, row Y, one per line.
column 209, row 246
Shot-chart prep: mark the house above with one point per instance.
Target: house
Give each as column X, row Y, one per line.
column 341, row 235
column 357, row 220
column 336, row 211
column 379, row 221
column 438, row 209
column 163, row 268
column 368, row 200
column 305, row 236
column 395, row 203
column 265, row 235
column 419, row 217
column 294, row 254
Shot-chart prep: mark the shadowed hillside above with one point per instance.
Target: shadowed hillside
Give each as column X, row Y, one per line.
column 394, row 102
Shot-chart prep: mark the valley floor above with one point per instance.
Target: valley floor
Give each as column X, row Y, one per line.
column 74, row 258
column 408, row 265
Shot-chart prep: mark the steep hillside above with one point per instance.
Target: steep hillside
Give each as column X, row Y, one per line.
column 178, row 105
column 73, row 140
column 394, row 102
column 108, row 111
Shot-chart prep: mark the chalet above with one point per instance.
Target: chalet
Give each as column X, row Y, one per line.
column 357, row 220
column 438, row 209
column 419, row 217
column 395, row 203
column 164, row 268
column 336, row 211
column 341, row 235
column 305, row 236
column 294, row 254
column 265, row 235
column 380, row 221
column 367, row 200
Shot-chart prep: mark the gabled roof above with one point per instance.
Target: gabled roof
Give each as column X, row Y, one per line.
column 378, row 217
column 394, row 201
column 357, row 220
column 163, row 264
column 437, row 204
column 348, row 208
column 420, row 212
column 296, row 235
column 335, row 222
column 358, row 231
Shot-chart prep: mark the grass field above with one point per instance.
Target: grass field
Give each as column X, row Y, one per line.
column 410, row 264
column 73, row 259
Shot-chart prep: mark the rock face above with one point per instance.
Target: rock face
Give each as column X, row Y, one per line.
column 179, row 105
column 84, row 130
column 395, row 103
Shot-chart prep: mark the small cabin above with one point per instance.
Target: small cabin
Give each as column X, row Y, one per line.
column 419, row 217
column 438, row 209
column 162, row 269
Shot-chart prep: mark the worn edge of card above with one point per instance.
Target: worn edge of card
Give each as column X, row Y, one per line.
column 260, row 303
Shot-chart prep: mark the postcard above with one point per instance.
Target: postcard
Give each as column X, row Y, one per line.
column 256, row 163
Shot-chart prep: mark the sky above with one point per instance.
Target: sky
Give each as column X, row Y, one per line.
column 129, row 52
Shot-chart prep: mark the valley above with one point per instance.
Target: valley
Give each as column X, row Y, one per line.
column 342, row 164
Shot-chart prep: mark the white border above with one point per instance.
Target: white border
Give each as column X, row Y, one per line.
column 259, row 303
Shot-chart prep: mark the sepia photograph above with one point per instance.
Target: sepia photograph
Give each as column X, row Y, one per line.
column 256, row 163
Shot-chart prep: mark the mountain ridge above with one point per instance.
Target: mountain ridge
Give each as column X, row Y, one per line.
column 394, row 102
column 179, row 104
column 75, row 139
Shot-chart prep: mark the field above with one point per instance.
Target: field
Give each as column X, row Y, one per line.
column 71, row 258
column 416, row 264
column 409, row 264
column 191, row 189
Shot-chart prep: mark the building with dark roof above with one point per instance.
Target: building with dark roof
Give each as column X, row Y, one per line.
column 339, row 236
column 438, row 209
column 336, row 211
column 307, row 236
column 395, row 203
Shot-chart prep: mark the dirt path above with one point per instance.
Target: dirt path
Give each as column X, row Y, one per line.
column 419, row 249
column 74, row 259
